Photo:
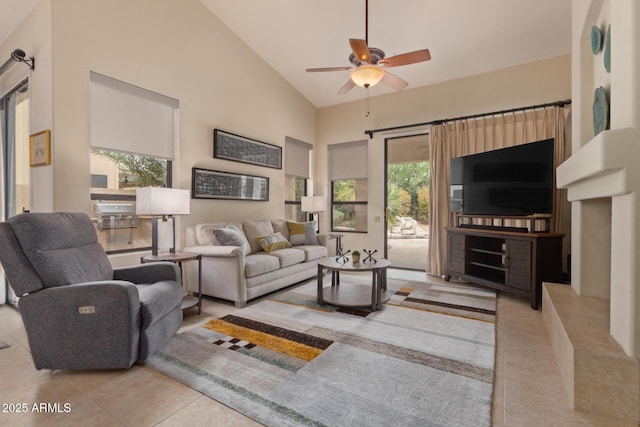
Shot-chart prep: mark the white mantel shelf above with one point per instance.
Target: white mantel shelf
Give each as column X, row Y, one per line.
column 602, row 167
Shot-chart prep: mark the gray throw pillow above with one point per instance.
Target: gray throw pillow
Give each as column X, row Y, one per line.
column 232, row 237
column 302, row 233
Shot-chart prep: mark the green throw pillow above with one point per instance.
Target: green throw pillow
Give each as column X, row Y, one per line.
column 273, row 242
column 302, row 233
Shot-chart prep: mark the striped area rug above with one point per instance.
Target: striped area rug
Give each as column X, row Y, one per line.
column 426, row 358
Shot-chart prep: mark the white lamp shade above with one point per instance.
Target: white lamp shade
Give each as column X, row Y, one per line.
column 367, row 75
column 313, row 204
column 162, row 201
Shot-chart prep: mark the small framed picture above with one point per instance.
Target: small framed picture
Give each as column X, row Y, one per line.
column 40, row 148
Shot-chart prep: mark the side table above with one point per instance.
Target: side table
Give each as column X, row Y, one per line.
column 338, row 237
column 180, row 257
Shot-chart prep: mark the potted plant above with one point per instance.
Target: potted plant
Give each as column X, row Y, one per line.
column 356, row 256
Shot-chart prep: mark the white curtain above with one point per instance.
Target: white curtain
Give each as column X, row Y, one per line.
column 464, row 137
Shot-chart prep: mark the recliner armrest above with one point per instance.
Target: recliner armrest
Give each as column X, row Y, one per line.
column 149, row 273
column 93, row 325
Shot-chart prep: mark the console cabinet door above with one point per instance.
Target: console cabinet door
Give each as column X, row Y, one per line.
column 519, row 274
column 456, row 253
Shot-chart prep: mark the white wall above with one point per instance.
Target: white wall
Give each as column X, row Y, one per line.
column 523, row 85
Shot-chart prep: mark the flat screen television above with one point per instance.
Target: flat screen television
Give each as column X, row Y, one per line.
column 509, row 181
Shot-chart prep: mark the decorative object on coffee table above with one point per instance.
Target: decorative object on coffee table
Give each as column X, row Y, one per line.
column 369, row 257
column 343, row 256
column 356, row 256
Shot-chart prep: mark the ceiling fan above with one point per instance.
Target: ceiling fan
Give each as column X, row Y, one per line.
column 369, row 63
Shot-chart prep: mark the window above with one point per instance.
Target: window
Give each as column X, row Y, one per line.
column 14, row 161
column 132, row 134
column 349, row 205
column 297, row 160
column 295, row 188
column 349, row 186
column 114, row 179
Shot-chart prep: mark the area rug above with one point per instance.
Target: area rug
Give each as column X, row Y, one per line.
column 3, row 345
column 427, row 358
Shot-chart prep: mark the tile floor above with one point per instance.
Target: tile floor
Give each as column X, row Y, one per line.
column 528, row 389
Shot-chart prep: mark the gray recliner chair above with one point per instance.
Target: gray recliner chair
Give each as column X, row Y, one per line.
column 79, row 312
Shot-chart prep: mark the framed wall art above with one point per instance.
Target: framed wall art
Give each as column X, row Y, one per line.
column 40, row 148
column 229, row 146
column 211, row 184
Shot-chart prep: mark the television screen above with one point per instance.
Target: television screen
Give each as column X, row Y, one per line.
column 510, row 181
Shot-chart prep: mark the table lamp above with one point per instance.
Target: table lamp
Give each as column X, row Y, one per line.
column 312, row 205
column 163, row 202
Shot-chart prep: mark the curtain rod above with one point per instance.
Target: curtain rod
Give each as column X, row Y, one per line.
column 473, row 116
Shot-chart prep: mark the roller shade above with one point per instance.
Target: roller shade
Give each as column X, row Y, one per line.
column 348, row 160
column 296, row 157
column 124, row 117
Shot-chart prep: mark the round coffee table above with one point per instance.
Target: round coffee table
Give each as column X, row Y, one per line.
column 348, row 295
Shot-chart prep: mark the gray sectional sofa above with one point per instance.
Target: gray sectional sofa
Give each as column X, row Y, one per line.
column 236, row 268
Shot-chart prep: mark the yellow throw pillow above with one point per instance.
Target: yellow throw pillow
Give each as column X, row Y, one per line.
column 273, row 242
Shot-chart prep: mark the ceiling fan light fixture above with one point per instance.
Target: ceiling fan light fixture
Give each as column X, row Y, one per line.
column 367, row 75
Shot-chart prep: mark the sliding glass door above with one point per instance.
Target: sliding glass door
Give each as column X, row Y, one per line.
column 407, row 201
column 14, row 131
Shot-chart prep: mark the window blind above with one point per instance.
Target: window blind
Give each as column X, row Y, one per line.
column 348, row 160
column 296, row 157
column 124, row 117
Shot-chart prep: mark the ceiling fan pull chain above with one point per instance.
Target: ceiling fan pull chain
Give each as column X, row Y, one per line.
column 367, row 101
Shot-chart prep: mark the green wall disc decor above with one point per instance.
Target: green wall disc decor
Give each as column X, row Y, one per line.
column 607, row 50
column 600, row 110
column 596, row 39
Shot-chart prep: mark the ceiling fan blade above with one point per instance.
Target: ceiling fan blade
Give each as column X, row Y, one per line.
column 347, row 87
column 360, row 49
column 313, row 70
column 393, row 81
column 406, row 58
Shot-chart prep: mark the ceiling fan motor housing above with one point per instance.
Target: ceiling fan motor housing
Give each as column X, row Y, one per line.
column 375, row 55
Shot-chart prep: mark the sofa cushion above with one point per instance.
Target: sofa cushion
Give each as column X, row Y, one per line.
column 256, row 228
column 289, row 257
column 260, row 263
column 280, row 226
column 231, row 236
column 204, row 233
column 302, row 233
column 273, row 242
column 313, row 252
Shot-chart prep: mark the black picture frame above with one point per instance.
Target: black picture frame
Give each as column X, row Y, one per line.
column 238, row 148
column 213, row 184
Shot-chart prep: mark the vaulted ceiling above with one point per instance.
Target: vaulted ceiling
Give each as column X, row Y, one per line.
column 465, row 37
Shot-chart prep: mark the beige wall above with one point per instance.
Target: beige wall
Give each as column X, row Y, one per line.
column 181, row 50
column 33, row 36
column 527, row 84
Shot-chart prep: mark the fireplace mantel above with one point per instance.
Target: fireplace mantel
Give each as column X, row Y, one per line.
column 603, row 167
